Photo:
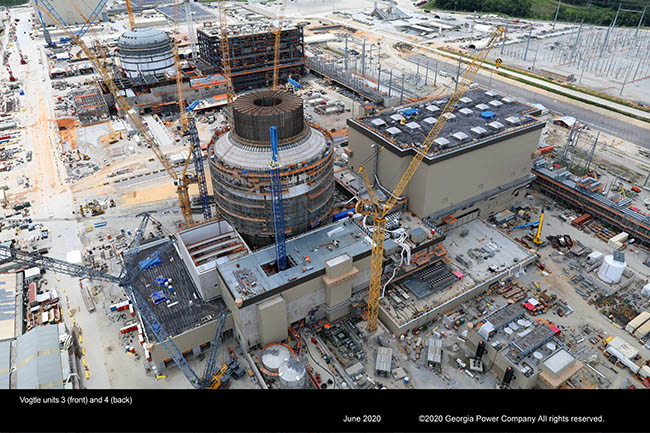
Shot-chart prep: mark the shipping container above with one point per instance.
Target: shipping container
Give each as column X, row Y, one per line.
column 635, row 323
column 642, row 330
column 581, row 220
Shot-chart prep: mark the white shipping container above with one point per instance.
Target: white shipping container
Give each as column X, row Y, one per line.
column 635, row 323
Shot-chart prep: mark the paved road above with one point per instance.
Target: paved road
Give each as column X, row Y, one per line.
column 582, row 112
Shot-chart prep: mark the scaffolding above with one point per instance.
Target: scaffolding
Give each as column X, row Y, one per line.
column 90, row 106
column 252, row 54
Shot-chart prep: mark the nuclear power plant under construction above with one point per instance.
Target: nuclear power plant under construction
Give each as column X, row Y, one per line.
column 280, row 195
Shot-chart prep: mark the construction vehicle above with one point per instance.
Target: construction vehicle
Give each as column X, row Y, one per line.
column 523, row 226
column 220, row 378
column 537, row 238
column 94, row 210
column 622, row 191
column 123, row 104
column 378, row 211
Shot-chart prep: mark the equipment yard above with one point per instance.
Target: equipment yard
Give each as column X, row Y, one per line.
column 305, row 195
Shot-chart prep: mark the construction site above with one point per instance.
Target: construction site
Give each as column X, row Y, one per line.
column 284, row 195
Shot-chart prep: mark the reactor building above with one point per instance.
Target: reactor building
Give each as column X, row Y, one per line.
column 239, row 167
column 146, row 51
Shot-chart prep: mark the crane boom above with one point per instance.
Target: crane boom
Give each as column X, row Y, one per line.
column 378, row 210
column 276, row 50
column 225, row 60
column 125, row 106
column 129, row 11
column 463, row 85
column 536, row 239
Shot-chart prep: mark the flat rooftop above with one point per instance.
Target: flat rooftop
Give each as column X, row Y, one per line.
column 533, row 339
column 177, row 314
column 495, row 255
column 211, row 241
column 235, row 30
column 7, row 306
column 507, row 314
column 246, row 272
column 479, row 117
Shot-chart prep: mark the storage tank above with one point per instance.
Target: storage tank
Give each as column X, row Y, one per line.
column 612, row 268
column 551, row 347
column 509, row 333
column 293, row 373
column 273, row 357
column 538, row 357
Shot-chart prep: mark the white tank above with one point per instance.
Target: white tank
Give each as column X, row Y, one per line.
column 611, row 270
column 509, row 332
column 273, row 357
column 292, row 373
column 513, row 326
column 550, row 346
column 538, row 357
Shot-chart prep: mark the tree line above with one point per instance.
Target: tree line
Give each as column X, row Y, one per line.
column 599, row 12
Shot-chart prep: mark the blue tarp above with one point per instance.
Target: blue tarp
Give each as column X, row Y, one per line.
column 158, row 297
column 410, row 112
column 150, row 262
column 293, row 82
column 487, row 114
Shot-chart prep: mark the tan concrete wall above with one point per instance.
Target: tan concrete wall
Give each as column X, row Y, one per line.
column 272, row 320
column 67, row 11
column 339, row 293
column 440, row 185
column 190, row 339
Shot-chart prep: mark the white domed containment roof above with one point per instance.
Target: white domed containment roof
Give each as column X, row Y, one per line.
column 274, row 356
column 612, row 268
column 145, row 51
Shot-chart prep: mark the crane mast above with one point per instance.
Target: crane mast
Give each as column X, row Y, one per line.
column 276, row 50
column 123, row 104
column 225, row 60
column 129, row 12
column 378, row 210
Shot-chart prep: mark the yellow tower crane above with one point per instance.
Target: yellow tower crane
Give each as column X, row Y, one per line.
column 378, row 210
column 129, row 11
column 125, row 106
column 537, row 239
column 225, row 59
column 276, row 50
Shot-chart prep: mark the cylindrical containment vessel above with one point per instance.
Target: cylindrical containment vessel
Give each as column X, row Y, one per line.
column 146, row 51
column 239, row 168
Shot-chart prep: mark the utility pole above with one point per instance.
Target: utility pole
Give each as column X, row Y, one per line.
column 346, row 52
column 426, row 73
column 378, row 77
column 528, row 43
column 602, row 50
column 591, row 155
column 435, row 78
column 401, row 91
column 557, row 13
column 457, row 73
column 390, row 83
column 363, row 59
column 417, row 72
column 640, row 21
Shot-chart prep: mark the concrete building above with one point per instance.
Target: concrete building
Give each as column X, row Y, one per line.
column 252, row 53
column 476, row 166
column 72, row 12
column 42, row 360
column 239, row 167
column 586, row 195
column 319, row 282
column 539, row 359
column 179, row 306
column 146, row 51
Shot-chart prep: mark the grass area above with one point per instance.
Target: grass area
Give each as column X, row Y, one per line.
column 600, row 13
column 332, row 50
column 13, row 2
